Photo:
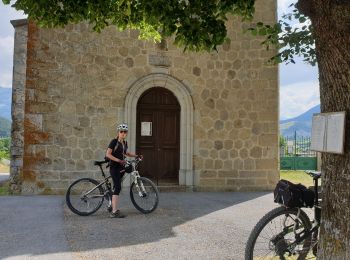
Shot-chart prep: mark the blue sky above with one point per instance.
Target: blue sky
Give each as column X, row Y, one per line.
column 299, row 89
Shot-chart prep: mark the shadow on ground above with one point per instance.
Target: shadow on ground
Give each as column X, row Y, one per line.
column 185, row 226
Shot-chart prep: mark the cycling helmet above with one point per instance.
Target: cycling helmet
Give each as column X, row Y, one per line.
column 122, row 127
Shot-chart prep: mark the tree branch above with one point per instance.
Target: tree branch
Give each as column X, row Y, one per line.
column 305, row 7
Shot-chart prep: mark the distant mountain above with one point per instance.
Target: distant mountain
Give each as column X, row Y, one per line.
column 5, row 127
column 301, row 124
column 5, row 102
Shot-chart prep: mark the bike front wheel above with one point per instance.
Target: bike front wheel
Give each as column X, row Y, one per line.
column 84, row 197
column 144, row 195
column 274, row 236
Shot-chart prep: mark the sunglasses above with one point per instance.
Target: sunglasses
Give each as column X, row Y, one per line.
column 123, row 132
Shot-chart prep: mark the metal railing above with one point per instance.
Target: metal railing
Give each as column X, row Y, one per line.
column 296, row 146
column 296, row 154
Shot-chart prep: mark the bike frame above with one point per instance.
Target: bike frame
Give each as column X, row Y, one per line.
column 135, row 175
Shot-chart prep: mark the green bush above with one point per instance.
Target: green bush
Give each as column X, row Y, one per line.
column 4, row 155
column 5, row 144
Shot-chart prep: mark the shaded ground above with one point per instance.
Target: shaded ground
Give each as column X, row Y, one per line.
column 185, row 226
column 32, row 228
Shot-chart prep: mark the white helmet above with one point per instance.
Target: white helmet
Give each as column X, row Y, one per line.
column 122, row 127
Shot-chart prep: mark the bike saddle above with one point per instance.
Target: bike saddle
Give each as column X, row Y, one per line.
column 99, row 162
column 314, row 174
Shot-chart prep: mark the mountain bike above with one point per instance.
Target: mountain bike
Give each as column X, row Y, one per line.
column 85, row 196
column 286, row 233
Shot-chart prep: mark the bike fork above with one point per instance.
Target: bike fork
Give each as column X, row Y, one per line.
column 141, row 190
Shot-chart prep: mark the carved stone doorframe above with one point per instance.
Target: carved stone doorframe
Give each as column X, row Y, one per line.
column 136, row 89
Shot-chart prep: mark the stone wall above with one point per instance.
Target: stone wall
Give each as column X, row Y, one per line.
column 77, row 81
column 18, row 101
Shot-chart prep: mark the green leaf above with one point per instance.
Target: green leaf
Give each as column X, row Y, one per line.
column 262, row 31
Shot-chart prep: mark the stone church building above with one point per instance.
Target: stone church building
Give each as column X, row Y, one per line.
column 203, row 121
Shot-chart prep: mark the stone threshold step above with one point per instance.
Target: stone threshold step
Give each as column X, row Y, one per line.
column 173, row 188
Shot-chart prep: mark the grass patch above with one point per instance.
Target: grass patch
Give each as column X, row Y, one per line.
column 4, row 168
column 297, row 177
column 4, row 188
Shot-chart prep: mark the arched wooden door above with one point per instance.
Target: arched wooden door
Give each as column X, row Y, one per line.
column 158, row 135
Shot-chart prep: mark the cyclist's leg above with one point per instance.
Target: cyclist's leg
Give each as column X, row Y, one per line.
column 122, row 177
column 116, row 177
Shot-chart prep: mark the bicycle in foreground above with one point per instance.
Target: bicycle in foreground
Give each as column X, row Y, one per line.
column 85, row 196
column 287, row 232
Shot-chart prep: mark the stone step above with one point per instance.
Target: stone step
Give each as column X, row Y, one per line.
column 173, row 188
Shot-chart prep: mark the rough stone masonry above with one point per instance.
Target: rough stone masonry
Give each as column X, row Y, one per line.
column 72, row 85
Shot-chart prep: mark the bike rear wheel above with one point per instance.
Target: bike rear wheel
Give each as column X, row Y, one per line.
column 274, row 233
column 144, row 195
column 83, row 197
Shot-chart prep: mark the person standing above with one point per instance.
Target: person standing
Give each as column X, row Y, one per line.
column 116, row 152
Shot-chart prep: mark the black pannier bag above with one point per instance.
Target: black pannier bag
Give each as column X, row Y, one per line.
column 293, row 195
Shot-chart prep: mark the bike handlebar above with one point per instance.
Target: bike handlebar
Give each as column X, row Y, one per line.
column 137, row 160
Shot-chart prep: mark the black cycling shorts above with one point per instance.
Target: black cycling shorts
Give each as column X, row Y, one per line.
column 117, row 179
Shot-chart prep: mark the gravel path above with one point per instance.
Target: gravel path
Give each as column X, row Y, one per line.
column 185, row 226
column 31, row 227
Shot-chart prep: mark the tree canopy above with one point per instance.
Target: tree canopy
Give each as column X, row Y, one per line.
column 292, row 35
column 196, row 24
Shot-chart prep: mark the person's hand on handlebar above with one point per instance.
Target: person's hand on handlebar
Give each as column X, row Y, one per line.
column 140, row 157
column 122, row 162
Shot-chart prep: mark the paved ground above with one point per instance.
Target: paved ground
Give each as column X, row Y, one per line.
column 4, row 176
column 185, row 226
column 32, row 227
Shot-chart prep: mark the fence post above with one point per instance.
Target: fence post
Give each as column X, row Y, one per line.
column 319, row 161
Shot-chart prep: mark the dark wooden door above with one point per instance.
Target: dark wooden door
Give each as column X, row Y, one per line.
column 159, row 108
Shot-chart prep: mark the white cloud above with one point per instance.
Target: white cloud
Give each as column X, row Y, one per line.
column 6, row 46
column 298, row 72
column 283, row 6
column 6, row 58
column 298, row 97
column 7, row 13
column 6, row 79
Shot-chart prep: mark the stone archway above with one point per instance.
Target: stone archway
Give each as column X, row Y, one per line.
column 137, row 88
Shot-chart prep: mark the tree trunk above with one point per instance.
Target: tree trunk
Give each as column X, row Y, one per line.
column 331, row 22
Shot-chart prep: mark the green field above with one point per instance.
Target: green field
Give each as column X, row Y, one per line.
column 297, row 177
column 4, row 188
